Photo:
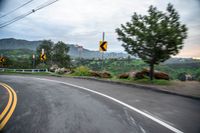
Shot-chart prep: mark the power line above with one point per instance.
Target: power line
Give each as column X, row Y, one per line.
column 26, row 14
column 15, row 19
column 15, row 9
column 45, row 5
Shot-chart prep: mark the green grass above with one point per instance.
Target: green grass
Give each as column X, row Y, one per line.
column 81, row 71
column 117, row 67
column 129, row 80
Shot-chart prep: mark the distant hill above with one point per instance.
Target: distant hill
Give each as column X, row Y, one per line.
column 17, row 54
column 181, row 61
column 18, row 49
column 9, row 45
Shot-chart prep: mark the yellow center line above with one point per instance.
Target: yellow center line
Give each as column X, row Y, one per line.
column 5, row 120
column 8, row 104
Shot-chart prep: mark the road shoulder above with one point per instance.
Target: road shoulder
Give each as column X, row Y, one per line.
column 189, row 89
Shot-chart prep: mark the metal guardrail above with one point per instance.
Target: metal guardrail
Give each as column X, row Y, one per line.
column 23, row 70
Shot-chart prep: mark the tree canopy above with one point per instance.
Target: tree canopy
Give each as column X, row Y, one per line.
column 55, row 53
column 60, row 56
column 153, row 37
column 47, row 45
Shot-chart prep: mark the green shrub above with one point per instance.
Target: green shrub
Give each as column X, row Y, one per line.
column 197, row 75
column 42, row 66
column 181, row 76
column 82, row 71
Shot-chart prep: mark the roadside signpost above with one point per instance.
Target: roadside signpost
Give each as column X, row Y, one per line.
column 43, row 56
column 42, row 51
column 2, row 60
column 33, row 60
column 102, row 48
column 80, row 50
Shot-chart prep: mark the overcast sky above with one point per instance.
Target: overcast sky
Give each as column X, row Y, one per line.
column 83, row 21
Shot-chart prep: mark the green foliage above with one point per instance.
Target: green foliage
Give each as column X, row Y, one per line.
column 22, row 58
column 47, row 45
column 181, row 76
column 60, row 72
column 82, row 71
column 119, row 66
column 197, row 74
column 112, row 65
column 60, row 56
column 17, row 54
column 169, row 70
column 18, row 63
column 42, row 66
column 56, row 53
column 153, row 37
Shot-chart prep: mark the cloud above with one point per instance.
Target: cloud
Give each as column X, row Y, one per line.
column 83, row 21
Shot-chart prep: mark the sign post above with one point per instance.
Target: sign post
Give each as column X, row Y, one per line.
column 33, row 61
column 80, row 50
column 103, row 37
column 2, row 60
column 42, row 51
column 102, row 48
column 43, row 56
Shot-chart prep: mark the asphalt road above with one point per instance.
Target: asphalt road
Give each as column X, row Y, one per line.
column 59, row 106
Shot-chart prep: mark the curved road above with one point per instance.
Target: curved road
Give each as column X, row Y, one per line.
column 64, row 105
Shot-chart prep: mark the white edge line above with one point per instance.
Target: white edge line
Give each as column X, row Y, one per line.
column 120, row 102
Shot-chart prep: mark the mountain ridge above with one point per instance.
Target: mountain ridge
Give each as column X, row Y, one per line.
column 12, row 44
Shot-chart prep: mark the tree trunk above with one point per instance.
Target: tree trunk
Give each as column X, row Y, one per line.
column 151, row 71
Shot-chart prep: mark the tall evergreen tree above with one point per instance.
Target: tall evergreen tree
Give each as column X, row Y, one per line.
column 153, row 37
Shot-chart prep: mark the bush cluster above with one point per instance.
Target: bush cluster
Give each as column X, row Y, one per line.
column 82, row 71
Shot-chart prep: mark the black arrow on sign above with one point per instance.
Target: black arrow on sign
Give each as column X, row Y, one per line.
column 2, row 59
column 102, row 46
column 43, row 56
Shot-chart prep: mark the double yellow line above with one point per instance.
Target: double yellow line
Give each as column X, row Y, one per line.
column 10, row 107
